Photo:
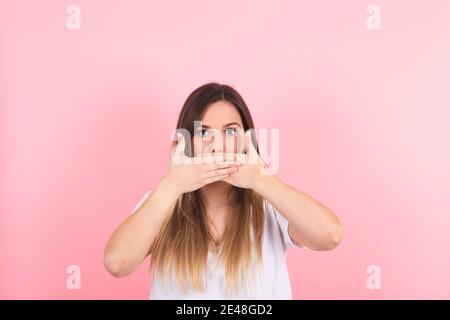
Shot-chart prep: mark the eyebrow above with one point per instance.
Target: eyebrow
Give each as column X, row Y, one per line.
column 224, row 126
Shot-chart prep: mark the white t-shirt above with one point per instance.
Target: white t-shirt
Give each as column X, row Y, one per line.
column 272, row 283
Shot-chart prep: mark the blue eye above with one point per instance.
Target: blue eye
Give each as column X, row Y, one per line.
column 202, row 132
column 231, row 131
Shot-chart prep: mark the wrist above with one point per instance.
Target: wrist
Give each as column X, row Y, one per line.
column 170, row 187
column 262, row 181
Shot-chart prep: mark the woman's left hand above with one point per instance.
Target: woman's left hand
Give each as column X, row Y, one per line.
column 250, row 171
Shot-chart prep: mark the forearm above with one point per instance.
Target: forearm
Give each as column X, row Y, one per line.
column 131, row 241
column 310, row 222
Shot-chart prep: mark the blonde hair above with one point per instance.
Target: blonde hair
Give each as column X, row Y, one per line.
column 181, row 247
column 184, row 240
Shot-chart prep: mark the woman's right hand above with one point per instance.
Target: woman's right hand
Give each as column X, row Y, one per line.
column 188, row 174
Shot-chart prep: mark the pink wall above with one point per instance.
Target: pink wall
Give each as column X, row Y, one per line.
column 364, row 119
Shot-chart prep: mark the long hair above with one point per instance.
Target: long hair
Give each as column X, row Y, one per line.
column 181, row 246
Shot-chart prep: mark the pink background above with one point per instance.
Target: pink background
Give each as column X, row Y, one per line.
column 364, row 118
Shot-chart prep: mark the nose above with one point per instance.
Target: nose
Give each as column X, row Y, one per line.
column 217, row 144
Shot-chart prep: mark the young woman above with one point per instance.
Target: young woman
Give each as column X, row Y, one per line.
column 219, row 229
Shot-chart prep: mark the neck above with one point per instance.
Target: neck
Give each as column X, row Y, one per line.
column 217, row 203
column 216, row 195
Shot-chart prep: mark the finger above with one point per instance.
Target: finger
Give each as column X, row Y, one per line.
column 229, row 161
column 177, row 153
column 216, row 178
column 250, row 150
column 248, row 143
column 219, row 172
column 215, row 166
column 178, row 146
column 181, row 144
column 211, row 164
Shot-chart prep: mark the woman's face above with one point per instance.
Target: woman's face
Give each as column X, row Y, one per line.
column 220, row 131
